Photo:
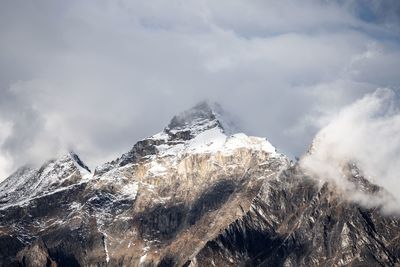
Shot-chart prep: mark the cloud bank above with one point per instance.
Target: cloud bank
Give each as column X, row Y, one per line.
column 365, row 133
column 96, row 76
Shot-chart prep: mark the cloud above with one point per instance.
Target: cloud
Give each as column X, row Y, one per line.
column 365, row 133
column 5, row 160
column 98, row 76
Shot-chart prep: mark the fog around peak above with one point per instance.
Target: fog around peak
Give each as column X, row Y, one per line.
column 365, row 133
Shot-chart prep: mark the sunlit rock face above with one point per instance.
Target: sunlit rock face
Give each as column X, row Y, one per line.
column 196, row 194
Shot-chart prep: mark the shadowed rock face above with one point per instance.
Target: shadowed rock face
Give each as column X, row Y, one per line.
column 212, row 199
column 162, row 222
column 35, row 255
column 189, row 196
column 294, row 222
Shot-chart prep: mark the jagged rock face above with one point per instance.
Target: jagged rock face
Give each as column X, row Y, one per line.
column 35, row 255
column 27, row 183
column 295, row 221
column 194, row 194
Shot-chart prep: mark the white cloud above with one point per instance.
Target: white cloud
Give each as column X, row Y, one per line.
column 365, row 133
column 6, row 163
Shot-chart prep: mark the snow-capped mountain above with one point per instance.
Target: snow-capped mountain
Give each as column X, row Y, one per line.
column 57, row 174
column 196, row 194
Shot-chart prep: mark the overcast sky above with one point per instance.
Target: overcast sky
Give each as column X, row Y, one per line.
column 96, row 76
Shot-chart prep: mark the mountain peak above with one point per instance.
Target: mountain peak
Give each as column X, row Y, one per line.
column 78, row 161
column 203, row 116
column 201, row 111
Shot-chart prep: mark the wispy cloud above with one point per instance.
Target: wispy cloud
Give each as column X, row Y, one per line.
column 365, row 133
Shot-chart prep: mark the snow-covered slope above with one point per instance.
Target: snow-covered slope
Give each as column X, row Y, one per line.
column 27, row 183
column 200, row 130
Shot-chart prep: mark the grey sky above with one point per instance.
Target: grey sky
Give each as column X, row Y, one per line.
column 96, row 76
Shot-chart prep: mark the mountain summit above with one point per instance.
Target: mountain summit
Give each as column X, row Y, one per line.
column 203, row 116
column 205, row 128
column 195, row 194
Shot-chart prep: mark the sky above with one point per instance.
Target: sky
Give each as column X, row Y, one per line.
column 97, row 76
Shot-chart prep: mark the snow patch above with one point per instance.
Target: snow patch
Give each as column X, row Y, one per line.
column 143, row 258
column 240, row 140
column 130, row 190
column 214, row 140
column 208, row 141
column 75, row 206
column 170, row 150
column 157, row 169
column 105, row 247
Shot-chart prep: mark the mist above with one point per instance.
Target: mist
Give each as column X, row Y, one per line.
column 365, row 133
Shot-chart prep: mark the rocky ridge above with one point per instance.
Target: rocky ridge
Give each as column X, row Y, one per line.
column 195, row 194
